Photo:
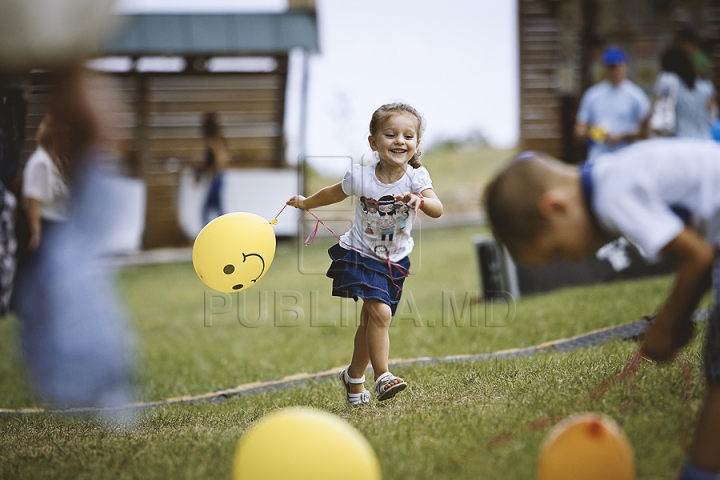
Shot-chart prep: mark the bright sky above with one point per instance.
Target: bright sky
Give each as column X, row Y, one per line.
column 456, row 61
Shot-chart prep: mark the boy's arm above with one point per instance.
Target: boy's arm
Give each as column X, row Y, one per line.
column 672, row 328
column 325, row 196
column 581, row 131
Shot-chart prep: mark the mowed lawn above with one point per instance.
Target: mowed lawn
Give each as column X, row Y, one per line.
column 189, row 341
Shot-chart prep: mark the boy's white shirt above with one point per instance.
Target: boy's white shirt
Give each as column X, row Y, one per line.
column 635, row 189
column 368, row 227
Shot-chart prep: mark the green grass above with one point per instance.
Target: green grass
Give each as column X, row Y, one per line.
column 438, row 429
column 460, row 176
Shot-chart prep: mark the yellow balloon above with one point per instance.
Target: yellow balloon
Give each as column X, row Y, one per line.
column 234, row 251
column 304, row 444
column 586, row 447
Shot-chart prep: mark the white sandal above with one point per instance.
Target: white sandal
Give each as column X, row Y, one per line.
column 354, row 399
column 386, row 391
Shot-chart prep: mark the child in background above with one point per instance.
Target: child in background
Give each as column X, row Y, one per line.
column 363, row 268
column 216, row 162
column 45, row 181
column 664, row 196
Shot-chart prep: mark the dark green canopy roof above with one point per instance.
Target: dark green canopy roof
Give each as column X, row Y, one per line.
column 213, row 34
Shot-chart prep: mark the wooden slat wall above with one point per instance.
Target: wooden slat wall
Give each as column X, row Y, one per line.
column 160, row 130
column 249, row 109
column 38, row 95
column 540, row 127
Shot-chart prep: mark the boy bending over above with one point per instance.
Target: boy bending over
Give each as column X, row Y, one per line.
column 664, row 196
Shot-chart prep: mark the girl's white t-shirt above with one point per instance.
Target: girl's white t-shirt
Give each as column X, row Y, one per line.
column 42, row 181
column 382, row 225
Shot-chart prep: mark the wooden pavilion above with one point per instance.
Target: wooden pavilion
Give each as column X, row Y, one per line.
column 174, row 68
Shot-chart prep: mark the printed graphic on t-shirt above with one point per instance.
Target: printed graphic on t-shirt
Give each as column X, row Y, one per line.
column 384, row 220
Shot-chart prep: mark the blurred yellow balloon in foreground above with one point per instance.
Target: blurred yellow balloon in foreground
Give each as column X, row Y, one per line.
column 304, row 444
column 234, row 251
column 586, row 447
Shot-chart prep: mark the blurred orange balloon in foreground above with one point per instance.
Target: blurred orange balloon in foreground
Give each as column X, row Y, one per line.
column 586, row 447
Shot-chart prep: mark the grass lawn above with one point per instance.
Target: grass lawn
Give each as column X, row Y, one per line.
column 438, row 429
column 191, row 340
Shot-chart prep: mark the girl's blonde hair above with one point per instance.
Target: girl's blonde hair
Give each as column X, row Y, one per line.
column 386, row 111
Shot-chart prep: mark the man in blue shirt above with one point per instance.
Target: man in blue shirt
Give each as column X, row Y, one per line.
column 614, row 112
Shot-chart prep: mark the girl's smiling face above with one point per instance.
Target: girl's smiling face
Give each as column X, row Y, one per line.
column 396, row 141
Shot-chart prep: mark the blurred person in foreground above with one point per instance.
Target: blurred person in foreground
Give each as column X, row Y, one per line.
column 74, row 333
column 614, row 112
column 660, row 194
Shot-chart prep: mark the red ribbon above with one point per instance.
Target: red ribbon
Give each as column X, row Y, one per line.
column 391, row 265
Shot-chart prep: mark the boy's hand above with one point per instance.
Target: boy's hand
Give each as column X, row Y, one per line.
column 662, row 339
column 298, row 201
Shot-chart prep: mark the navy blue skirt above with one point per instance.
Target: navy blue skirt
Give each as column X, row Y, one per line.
column 357, row 276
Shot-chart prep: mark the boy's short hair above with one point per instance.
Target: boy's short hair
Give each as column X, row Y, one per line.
column 512, row 197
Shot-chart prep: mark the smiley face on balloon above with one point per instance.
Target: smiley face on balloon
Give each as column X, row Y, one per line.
column 234, row 251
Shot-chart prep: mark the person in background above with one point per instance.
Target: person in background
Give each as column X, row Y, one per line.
column 12, row 121
column 216, row 161
column 694, row 97
column 696, row 50
column 45, row 183
column 614, row 112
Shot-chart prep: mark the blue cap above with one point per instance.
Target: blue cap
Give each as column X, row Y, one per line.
column 614, row 56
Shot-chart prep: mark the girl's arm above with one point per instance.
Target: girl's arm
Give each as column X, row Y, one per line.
column 432, row 207
column 325, row 196
column 581, row 131
column 427, row 201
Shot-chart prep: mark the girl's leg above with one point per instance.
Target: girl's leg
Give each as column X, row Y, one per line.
column 360, row 357
column 379, row 317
